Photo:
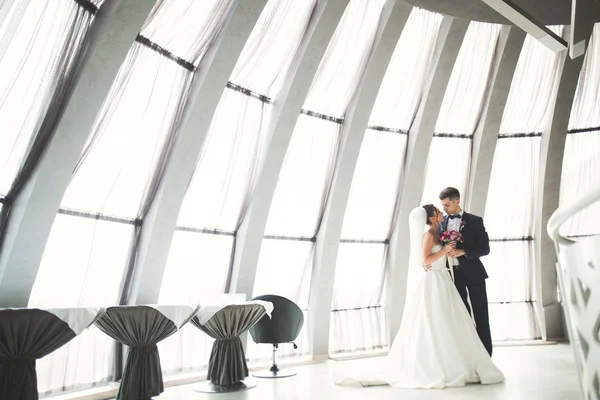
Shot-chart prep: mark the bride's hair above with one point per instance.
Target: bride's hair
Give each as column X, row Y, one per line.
column 431, row 212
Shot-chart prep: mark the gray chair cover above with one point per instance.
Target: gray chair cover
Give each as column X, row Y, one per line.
column 285, row 323
column 227, row 364
column 25, row 336
column 140, row 328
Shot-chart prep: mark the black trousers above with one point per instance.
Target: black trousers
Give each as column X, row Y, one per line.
column 475, row 290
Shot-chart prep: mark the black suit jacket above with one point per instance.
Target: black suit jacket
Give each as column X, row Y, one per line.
column 476, row 244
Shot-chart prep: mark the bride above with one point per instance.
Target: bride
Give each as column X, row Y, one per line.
column 437, row 345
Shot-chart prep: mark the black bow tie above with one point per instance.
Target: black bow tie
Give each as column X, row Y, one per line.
column 454, row 216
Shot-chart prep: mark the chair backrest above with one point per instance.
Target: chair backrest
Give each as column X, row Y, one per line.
column 578, row 271
column 284, row 325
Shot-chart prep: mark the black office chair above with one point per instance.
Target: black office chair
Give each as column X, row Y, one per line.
column 283, row 327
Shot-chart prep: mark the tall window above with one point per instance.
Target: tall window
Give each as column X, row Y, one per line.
column 510, row 207
column 358, row 308
column 87, row 260
column 449, row 160
column 37, row 62
column 305, row 178
column 230, row 161
column 581, row 163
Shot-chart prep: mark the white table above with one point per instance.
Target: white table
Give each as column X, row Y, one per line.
column 28, row 334
column 225, row 323
column 141, row 327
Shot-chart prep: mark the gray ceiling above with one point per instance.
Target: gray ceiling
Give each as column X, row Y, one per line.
column 549, row 12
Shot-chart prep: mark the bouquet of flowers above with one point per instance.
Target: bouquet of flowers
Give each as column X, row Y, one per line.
column 451, row 236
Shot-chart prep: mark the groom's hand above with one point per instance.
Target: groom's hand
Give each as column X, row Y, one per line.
column 458, row 253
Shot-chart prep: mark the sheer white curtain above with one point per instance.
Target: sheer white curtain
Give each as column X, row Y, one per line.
column 230, row 161
column 87, row 256
column 510, row 208
column 305, row 177
column 581, row 162
column 461, row 112
column 358, row 312
column 41, row 45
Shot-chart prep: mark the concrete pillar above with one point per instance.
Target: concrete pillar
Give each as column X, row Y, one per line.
column 450, row 38
column 486, row 136
column 250, row 235
column 550, row 171
column 35, row 207
column 355, row 125
column 209, row 83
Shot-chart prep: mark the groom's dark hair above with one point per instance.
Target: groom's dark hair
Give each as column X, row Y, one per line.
column 450, row 193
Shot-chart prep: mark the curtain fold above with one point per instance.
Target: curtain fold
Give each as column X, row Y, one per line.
column 38, row 61
column 230, row 162
column 102, row 212
column 358, row 320
column 515, row 170
column 460, row 113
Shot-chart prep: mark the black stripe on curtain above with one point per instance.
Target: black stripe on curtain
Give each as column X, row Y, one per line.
column 453, row 135
column 164, row 52
column 583, row 130
column 519, row 135
column 324, row 117
column 249, row 93
column 386, row 129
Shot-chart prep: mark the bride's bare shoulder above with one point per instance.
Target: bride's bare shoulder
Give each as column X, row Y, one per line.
column 427, row 236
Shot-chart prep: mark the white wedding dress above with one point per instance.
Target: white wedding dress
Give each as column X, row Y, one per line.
column 437, row 345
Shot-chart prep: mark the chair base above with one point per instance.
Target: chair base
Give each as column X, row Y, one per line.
column 209, row 387
column 274, row 372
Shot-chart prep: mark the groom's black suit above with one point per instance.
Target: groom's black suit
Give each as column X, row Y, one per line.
column 470, row 275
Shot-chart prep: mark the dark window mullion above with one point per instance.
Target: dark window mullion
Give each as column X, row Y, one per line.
column 208, row 231
column 292, row 238
column 365, row 241
column 100, row 216
column 513, row 239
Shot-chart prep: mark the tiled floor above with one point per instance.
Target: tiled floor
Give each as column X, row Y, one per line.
column 532, row 373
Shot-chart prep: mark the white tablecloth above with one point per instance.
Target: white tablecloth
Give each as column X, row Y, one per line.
column 179, row 314
column 78, row 318
column 207, row 311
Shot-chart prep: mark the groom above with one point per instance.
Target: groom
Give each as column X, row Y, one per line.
column 469, row 272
